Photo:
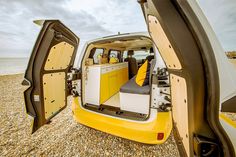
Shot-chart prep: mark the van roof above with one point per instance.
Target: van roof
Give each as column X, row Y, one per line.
column 119, row 36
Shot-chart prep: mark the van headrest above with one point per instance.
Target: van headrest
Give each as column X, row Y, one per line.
column 130, row 52
column 151, row 50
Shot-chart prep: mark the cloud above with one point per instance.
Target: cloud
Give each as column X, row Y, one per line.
column 222, row 16
column 88, row 19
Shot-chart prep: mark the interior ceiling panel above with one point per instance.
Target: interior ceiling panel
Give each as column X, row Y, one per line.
column 126, row 43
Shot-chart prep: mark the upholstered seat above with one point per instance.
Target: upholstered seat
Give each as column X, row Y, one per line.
column 132, row 87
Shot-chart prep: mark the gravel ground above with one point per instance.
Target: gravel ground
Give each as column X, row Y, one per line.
column 63, row 136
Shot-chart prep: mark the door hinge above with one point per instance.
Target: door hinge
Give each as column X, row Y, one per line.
column 73, row 82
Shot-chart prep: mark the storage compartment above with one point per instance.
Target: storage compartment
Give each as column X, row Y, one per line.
column 134, row 98
column 138, row 103
column 103, row 81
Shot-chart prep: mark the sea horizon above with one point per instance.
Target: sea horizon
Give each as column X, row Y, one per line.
column 13, row 65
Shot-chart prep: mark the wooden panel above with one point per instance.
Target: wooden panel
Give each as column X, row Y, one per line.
column 59, row 56
column 180, row 107
column 53, row 93
column 165, row 48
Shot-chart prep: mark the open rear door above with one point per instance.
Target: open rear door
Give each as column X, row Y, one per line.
column 199, row 75
column 46, row 75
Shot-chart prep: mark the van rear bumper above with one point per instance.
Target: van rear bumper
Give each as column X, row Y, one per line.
column 132, row 130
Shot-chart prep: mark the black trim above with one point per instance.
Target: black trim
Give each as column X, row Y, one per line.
column 116, row 112
column 229, row 105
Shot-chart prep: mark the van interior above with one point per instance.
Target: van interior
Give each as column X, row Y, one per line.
column 110, row 68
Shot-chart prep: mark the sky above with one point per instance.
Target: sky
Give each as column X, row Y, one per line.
column 91, row 19
column 221, row 14
column 88, row 19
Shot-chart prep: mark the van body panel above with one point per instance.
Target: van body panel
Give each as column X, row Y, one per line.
column 136, row 131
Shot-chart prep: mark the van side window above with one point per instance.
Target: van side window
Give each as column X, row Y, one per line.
column 124, row 55
column 98, row 53
column 138, row 54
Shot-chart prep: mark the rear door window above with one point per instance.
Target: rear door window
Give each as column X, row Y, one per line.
column 98, row 53
column 114, row 54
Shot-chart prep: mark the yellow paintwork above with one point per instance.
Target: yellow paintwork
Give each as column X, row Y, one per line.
column 227, row 120
column 136, row 131
column 104, row 93
column 111, row 83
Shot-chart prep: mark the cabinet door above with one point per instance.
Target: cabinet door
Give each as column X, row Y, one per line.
column 125, row 75
column 120, row 78
column 104, row 88
column 112, row 83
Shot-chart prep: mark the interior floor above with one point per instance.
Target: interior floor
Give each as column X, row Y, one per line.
column 114, row 101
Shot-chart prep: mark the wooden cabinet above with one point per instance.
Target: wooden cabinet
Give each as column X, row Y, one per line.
column 103, row 81
column 104, row 90
column 113, row 84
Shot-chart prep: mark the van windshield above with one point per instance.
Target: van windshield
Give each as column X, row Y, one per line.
column 138, row 54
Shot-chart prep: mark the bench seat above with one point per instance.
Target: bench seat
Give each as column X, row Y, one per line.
column 134, row 98
column 133, row 88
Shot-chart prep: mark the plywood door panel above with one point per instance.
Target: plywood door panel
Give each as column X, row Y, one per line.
column 59, row 56
column 180, row 107
column 53, row 93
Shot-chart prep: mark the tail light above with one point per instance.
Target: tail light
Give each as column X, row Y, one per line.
column 160, row 136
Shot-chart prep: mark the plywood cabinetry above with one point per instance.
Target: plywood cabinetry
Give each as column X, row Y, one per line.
column 103, row 81
column 104, row 90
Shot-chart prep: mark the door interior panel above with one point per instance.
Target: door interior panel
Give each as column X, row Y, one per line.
column 54, row 95
column 46, row 74
column 182, row 56
column 59, row 56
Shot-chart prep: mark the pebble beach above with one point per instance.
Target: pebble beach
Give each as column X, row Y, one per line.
column 63, row 136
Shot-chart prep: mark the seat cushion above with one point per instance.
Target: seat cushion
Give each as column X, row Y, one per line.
column 142, row 78
column 132, row 87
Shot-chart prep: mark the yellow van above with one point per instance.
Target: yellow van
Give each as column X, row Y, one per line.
column 105, row 94
column 189, row 94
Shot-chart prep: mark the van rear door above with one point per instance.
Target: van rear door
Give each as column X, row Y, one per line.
column 51, row 60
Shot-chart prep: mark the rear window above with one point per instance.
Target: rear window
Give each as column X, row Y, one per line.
column 98, row 53
column 138, row 54
column 114, row 53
